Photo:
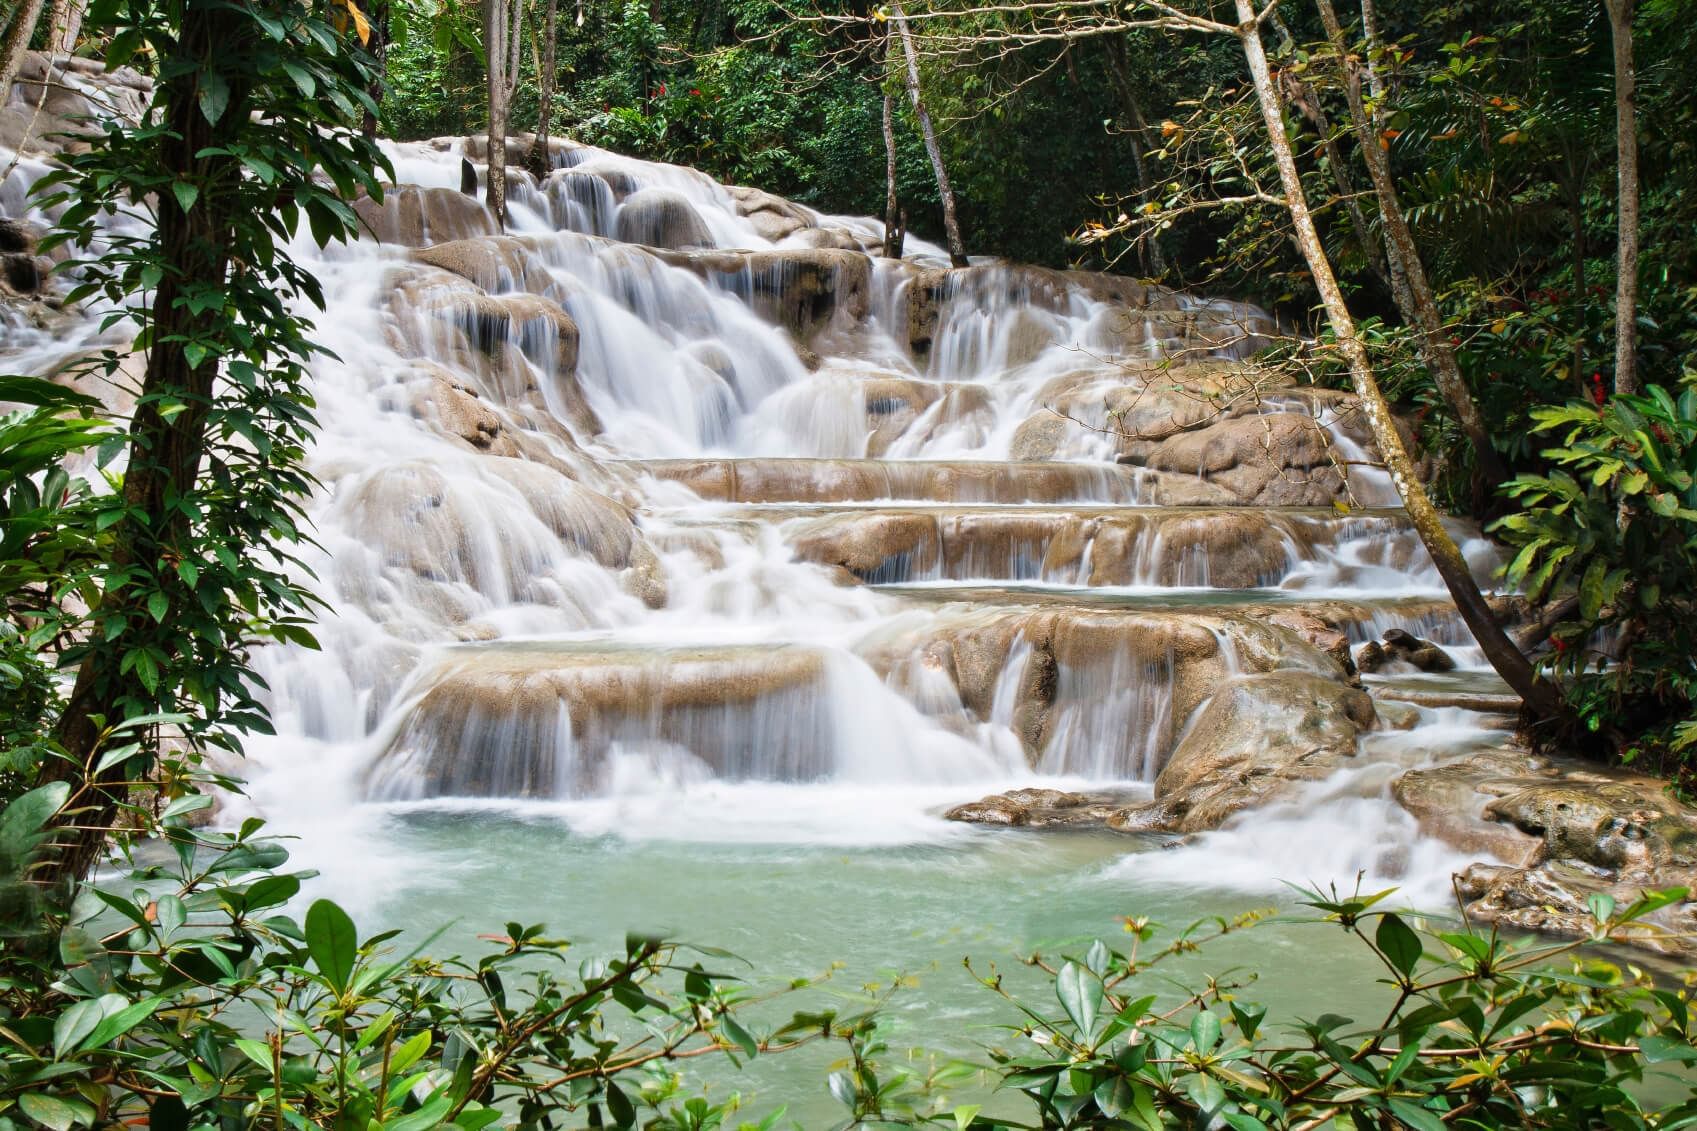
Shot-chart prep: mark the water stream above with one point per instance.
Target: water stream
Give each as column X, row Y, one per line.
column 685, row 590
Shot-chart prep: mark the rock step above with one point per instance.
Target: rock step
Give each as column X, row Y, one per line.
column 759, row 480
column 548, row 719
column 1486, row 702
column 1227, row 548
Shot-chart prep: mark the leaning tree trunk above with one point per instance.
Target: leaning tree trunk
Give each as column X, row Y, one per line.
column 24, row 19
column 1626, row 145
column 957, row 249
column 1542, row 700
column 541, row 157
column 1435, row 341
column 166, row 449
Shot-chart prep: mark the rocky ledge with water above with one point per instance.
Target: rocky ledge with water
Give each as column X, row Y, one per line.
column 676, row 489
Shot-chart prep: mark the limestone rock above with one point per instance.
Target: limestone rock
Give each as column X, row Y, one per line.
column 1039, row 808
column 1423, row 654
column 1257, row 736
column 419, row 217
column 1565, row 830
column 800, row 289
column 658, row 217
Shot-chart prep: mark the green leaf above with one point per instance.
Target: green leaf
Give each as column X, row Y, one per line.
column 1114, row 1096
column 1205, row 1031
column 213, row 95
column 332, row 942
column 738, row 1036
column 53, row 1112
column 185, row 193
column 965, row 1114
column 620, row 1107
column 120, row 1023
column 1399, row 942
column 76, row 1023
column 1080, row 993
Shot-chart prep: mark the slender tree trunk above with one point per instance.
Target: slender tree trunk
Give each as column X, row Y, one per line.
column 16, row 43
column 66, row 25
column 541, row 156
column 957, row 249
column 1626, row 145
column 894, row 236
column 1435, row 340
column 1576, row 220
column 1541, row 699
column 501, row 41
column 166, row 450
column 1154, row 262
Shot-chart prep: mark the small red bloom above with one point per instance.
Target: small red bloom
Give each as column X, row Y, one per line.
column 695, row 91
column 1560, row 644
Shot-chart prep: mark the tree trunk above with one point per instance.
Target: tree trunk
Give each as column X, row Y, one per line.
column 65, row 25
column 541, row 157
column 1626, row 145
column 957, row 250
column 1543, row 702
column 165, row 450
column 894, row 236
column 1154, row 262
column 501, row 40
column 24, row 19
column 1435, row 340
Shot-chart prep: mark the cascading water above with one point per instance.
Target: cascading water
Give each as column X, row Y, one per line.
column 754, row 537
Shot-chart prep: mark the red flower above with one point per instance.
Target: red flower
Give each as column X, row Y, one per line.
column 1598, row 393
column 1560, row 644
column 695, row 91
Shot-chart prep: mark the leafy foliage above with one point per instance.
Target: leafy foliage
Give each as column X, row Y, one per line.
column 1614, row 525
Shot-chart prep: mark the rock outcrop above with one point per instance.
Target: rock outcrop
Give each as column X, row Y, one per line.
column 1562, row 831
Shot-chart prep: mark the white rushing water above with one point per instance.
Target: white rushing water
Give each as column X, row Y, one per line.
column 532, row 610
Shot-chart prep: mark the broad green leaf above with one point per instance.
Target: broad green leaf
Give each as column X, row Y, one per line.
column 1080, row 993
column 332, row 941
column 1399, row 942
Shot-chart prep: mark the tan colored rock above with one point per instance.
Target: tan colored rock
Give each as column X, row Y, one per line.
column 656, row 217
column 1257, row 737
column 803, row 290
column 419, row 217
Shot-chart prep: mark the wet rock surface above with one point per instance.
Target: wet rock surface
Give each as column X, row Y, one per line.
column 1560, row 831
column 1042, row 808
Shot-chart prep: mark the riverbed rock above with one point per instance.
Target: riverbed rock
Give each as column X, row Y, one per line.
column 1410, row 649
column 1040, row 808
column 801, row 289
column 659, row 217
column 1258, row 736
column 1559, row 831
column 419, row 217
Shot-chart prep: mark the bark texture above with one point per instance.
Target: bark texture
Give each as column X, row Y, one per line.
column 1626, row 148
column 165, row 451
column 541, row 155
column 18, row 33
column 951, row 227
column 501, row 38
column 1423, row 302
column 1542, row 700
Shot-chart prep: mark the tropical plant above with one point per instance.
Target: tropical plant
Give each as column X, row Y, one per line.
column 1476, row 1031
column 1612, row 528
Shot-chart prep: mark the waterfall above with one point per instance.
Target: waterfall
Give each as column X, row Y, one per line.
column 679, row 486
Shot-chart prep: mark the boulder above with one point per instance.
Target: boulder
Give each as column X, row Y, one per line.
column 1257, row 737
column 657, row 217
column 1423, row 654
column 419, row 217
column 1559, row 831
column 802, row 290
column 1040, row 808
